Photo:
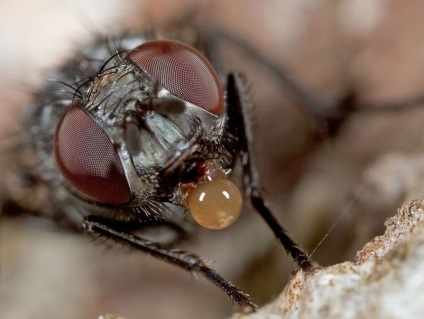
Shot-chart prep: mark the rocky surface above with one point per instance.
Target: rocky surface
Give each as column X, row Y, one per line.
column 384, row 281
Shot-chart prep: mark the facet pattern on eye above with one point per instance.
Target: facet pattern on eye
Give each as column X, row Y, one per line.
column 183, row 71
column 88, row 160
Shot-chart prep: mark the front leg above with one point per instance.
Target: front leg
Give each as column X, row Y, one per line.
column 240, row 124
column 180, row 258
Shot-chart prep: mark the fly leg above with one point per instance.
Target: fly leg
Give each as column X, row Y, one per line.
column 239, row 124
column 180, row 258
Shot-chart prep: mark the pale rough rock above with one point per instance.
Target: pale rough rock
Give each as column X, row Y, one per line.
column 385, row 281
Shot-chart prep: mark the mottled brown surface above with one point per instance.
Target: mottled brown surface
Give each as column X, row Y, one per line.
column 397, row 228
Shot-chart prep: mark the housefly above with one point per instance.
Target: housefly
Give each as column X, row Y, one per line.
column 139, row 135
column 156, row 144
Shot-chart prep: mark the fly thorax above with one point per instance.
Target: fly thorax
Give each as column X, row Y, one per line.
column 115, row 92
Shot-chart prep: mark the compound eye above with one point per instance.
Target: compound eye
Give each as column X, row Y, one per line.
column 183, row 71
column 88, row 160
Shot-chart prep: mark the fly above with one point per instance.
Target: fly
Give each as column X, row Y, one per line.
column 146, row 138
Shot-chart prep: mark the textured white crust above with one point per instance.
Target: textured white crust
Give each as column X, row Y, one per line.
column 385, row 281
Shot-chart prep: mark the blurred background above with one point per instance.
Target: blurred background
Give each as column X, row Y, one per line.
column 368, row 55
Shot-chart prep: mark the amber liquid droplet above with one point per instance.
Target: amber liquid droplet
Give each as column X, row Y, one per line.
column 215, row 204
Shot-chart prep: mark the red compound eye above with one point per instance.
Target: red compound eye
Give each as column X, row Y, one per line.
column 183, row 71
column 88, row 160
